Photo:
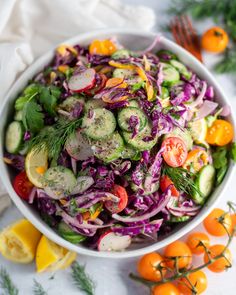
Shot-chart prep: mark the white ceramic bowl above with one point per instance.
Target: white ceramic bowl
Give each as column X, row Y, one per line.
column 136, row 41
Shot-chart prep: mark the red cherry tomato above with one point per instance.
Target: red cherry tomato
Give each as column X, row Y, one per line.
column 175, row 151
column 120, row 192
column 165, row 183
column 22, row 186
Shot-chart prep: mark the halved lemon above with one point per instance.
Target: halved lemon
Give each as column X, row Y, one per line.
column 36, row 164
column 198, row 130
column 18, row 242
column 52, row 257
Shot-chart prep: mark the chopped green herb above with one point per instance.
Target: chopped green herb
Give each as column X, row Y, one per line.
column 32, row 116
column 38, row 289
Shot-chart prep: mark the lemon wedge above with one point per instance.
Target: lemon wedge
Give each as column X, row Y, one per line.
column 36, row 164
column 52, row 257
column 18, row 242
column 198, row 130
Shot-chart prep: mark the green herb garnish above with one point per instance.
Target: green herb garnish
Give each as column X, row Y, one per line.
column 38, row 289
column 53, row 138
column 82, row 280
column 6, row 283
column 182, row 179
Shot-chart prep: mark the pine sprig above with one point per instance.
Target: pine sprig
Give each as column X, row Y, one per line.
column 38, row 289
column 82, row 280
column 6, row 283
column 53, row 138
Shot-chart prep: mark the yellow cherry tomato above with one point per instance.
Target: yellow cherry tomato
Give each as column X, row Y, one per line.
column 148, row 264
column 222, row 263
column 215, row 40
column 181, row 250
column 220, row 133
column 196, row 159
column 195, row 241
column 213, row 225
column 197, row 279
column 102, row 47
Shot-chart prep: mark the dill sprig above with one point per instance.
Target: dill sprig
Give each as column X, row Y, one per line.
column 6, row 283
column 54, row 137
column 38, row 289
column 82, row 280
column 182, row 179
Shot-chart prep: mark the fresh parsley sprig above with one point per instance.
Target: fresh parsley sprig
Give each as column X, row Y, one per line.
column 6, row 283
column 38, row 289
column 82, row 280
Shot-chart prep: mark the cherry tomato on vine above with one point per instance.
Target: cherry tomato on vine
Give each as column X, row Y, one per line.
column 175, row 151
column 193, row 241
column 220, row 133
column 166, row 289
column 180, row 249
column 233, row 220
column 215, row 40
column 165, row 183
column 147, row 267
column 197, row 279
column 222, row 263
column 22, row 186
column 213, row 225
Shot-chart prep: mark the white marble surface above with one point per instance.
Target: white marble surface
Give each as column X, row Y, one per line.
column 112, row 275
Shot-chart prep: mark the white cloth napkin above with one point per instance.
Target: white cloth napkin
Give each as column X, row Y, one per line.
column 28, row 28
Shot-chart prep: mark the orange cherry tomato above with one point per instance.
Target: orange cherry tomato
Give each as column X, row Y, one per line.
column 165, row 183
column 147, row 267
column 215, row 40
column 197, row 279
column 120, row 192
column 196, row 159
column 118, row 83
column 195, row 240
column 166, row 289
column 102, row 47
column 214, row 227
column 175, row 151
column 119, row 65
column 222, row 263
column 180, row 249
column 220, row 133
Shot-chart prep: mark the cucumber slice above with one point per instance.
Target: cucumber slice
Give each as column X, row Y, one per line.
column 109, row 149
column 121, row 53
column 170, row 75
column 94, row 104
column 176, row 219
column 125, row 114
column 18, row 116
column 101, row 125
column 137, row 142
column 68, row 234
column 129, row 153
column 205, row 182
column 69, row 103
column 59, row 182
column 184, row 135
column 134, row 103
column 181, row 68
column 14, row 137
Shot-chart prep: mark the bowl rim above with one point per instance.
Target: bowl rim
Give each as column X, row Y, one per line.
column 50, row 233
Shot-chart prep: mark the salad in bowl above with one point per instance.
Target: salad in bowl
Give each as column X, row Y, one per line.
column 115, row 147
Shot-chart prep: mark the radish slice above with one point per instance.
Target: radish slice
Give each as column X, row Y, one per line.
column 109, row 241
column 82, row 81
column 83, row 183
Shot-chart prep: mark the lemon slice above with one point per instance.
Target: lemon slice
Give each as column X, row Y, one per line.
column 198, row 130
column 18, row 242
column 36, row 164
column 52, row 257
